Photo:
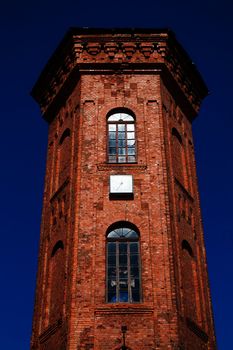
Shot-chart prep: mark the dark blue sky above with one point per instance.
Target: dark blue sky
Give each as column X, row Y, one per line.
column 29, row 34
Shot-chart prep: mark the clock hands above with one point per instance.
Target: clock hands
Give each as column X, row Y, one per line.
column 121, row 183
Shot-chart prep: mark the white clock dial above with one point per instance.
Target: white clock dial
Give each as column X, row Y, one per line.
column 121, row 184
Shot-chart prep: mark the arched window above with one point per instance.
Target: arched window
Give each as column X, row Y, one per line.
column 123, row 264
column 121, row 137
column 179, row 158
column 56, row 278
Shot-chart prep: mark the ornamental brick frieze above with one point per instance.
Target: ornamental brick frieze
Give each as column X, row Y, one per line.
column 135, row 51
column 109, row 52
column 93, row 48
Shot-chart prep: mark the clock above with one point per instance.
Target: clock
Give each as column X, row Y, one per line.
column 121, row 184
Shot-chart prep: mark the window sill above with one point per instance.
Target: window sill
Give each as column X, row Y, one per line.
column 107, row 166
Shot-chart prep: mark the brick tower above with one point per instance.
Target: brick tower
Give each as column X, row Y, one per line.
column 122, row 260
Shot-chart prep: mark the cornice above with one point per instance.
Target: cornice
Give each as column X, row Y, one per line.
column 110, row 52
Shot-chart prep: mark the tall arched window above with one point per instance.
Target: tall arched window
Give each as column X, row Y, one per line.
column 180, row 166
column 56, row 278
column 121, row 138
column 123, row 264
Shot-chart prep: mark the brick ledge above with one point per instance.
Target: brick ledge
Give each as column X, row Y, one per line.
column 124, row 309
column 121, row 166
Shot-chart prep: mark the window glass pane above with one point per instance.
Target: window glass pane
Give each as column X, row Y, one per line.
column 131, row 159
column 114, row 117
column 130, row 143
column 121, row 143
column 121, row 127
column 130, row 135
column 121, row 151
column 133, row 260
column 121, row 135
column 112, row 134
column 118, row 231
column 112, row 127
column 123, row 296
column 134, row 248
column 121, row 116
column 113, row 234
column 112, row 291
column 123, row 284
column 111, row 248
column 136, row 292
column 112, row 275
column 123, row 273
column 126, row 117
column 123, row 290
column 131, row 234
column 134, row 273
column 112, row 151
column 130, row 127
column 123, row 260
column 131, row 151
column 112, row 143
column 112, row 159
column 123, row 248
column 126, row 231
column 121, row 159
column 111, row 260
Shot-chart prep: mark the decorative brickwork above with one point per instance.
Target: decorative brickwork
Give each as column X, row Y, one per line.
column 92, row 73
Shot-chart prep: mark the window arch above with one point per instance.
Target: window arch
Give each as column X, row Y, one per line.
column 121, row 137
column 123, row 264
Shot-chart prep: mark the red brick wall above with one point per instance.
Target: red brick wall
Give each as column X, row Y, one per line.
column 190, row 269
column 77, row 210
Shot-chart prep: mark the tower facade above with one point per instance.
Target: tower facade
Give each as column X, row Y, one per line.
column 122, row 259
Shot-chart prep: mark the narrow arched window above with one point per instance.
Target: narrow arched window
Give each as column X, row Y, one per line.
column 123, row 264
column 56, row 282
column 121, row 137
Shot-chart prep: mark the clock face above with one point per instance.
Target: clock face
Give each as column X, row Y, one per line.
column 121, row 184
